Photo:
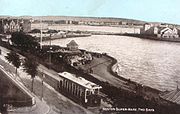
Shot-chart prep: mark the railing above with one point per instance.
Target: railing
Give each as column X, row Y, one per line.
column 31, row 101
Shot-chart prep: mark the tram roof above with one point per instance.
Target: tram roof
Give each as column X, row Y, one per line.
column 79, row 80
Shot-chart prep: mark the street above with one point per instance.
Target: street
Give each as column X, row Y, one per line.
column 56, row 102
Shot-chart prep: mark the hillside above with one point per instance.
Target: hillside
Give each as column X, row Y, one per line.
column 88, row 19
column 73, row 18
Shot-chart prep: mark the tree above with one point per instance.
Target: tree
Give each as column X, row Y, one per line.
column 52, row 31
column 14, row 58
column 35, row 31
column 24, row 42
column 30, row 67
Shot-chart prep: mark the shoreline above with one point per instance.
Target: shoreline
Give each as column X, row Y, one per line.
column 110, row 70
column 64, row 37
column 120, row 95
column 152, row 37
column 114, row 62
column 143, row 92
column 148, row 89
column 141, row 36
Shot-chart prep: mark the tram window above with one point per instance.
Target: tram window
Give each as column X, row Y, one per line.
column 88, row 93
column 60, row 83
column 96, row 91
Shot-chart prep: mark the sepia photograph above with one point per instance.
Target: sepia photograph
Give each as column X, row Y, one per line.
column 89, row 57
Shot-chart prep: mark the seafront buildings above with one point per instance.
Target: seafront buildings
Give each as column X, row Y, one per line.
column 12, row 24
column 108, row 25
column 160, row 31
column 9, row 25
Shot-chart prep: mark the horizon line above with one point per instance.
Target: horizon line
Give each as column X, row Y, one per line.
column 84, row 16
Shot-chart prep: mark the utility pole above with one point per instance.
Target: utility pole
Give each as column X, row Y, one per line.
column 41, row 35
column 50, row 49
column 50, row 39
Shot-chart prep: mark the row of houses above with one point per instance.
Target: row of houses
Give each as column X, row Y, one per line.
column 160, row 31
column 8, row 25
column 88, row 22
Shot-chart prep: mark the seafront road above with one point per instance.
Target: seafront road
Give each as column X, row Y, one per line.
column 102, row 72
column 53, row 102
column 37, row 108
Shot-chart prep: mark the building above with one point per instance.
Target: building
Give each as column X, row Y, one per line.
column 122, row 23
column 9, row 25
column 72, row 46
column 26, row 25
column 161, row 32
column 149, row 29
column 80, row 89
column 168, row 33
column 39, row 25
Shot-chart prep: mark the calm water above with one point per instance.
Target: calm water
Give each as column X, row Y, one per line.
column 153, row 63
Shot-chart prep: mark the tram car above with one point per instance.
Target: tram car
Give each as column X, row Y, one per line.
column 76, row 88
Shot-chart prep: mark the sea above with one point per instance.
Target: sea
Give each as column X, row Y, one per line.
column 152, row 63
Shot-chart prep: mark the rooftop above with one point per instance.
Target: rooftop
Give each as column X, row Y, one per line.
column 72, row 43
column 173, row 96
column 79, row 80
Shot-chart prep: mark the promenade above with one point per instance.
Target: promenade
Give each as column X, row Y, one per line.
column 38, row 105
column 103, row 69
column 52, row 103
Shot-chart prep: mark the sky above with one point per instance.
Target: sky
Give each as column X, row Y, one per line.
column 146, row 10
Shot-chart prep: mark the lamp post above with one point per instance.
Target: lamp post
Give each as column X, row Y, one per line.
column 43, row 76
column 50, row 55
column 50, row 50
